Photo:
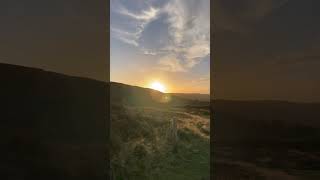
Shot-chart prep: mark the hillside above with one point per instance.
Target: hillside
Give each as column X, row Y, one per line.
column 52, row 126
column 193, row 96
column 138, row 96
column 146, row 145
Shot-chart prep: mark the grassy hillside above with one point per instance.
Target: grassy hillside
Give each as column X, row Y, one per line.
column 142, row 141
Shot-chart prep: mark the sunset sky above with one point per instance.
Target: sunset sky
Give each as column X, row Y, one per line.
column 166, row 41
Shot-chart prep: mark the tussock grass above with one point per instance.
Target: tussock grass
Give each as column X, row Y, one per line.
column 141, row 146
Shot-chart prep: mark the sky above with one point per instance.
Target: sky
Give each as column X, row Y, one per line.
column 166, row 41
column 266, row 49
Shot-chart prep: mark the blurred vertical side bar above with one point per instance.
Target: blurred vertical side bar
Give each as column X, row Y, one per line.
column 108, row 170
column 211, row 88
column 54, row 69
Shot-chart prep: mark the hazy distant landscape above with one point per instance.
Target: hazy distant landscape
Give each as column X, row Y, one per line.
column 143, row 140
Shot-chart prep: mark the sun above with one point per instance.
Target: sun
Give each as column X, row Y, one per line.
column 158, row 86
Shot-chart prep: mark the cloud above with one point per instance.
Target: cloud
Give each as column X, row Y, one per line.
column 126, row 37
column 188, row 34
column 128, row 41
column 149, row 52
column 145, row 15
column 197, row 50
column 171, row 63
column 139, row 22
column 189, row 29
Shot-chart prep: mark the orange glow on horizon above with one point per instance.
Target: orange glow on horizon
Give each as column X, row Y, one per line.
column 156, row 85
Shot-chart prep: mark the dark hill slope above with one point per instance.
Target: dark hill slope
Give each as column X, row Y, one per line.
column 52, row 126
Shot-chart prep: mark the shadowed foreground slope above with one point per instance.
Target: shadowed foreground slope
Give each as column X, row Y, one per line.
column 52, row 126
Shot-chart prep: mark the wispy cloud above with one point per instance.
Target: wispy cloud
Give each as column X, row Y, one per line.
column 149, row 52
column 171, row 63
column 126, row 37
column 145, row 15
column 140, row 21
column 188, row 28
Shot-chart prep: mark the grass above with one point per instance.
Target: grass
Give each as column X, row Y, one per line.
column 142, row 149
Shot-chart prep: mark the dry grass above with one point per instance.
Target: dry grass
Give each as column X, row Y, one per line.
column 142, row 147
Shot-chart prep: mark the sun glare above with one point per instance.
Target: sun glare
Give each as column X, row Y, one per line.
column 158, row 86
